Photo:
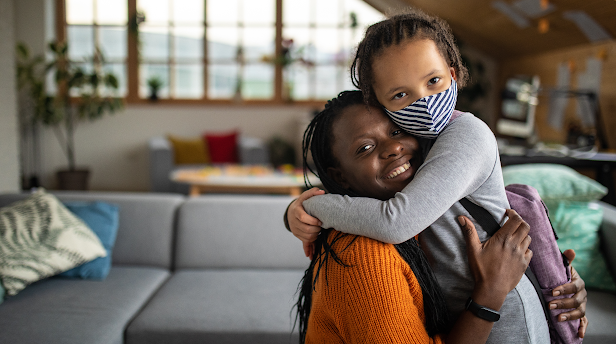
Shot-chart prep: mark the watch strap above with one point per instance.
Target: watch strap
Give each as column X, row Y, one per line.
column 482, row 312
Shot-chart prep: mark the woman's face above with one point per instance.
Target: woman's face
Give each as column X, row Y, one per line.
column 376, row 158
column 409, row 71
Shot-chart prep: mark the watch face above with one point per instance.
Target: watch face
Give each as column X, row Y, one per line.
column 482, row 312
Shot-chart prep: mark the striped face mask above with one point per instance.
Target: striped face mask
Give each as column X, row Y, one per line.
column 429, row 115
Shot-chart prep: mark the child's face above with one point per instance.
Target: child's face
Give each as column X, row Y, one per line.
column 376, row 158
column 409, row 71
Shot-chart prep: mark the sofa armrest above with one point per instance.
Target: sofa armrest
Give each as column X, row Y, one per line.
column 608, row 235
column 161, row 164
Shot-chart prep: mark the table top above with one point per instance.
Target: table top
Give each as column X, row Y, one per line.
column 243, row 175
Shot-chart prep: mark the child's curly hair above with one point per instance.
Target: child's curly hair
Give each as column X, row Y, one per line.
column 395, row 30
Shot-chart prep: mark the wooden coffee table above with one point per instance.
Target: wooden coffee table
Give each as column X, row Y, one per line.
column 253, row 179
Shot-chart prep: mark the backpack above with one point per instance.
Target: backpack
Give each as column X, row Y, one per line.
column 548, row 268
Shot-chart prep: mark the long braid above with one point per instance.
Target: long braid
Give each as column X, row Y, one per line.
column 393, row 31
column 317, row 141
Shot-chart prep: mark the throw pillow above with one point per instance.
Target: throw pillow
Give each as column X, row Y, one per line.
column 189, row 151
column 577, row 225
column 39, row 238
column 555, row 182
column 223, row 146
column 102, row 218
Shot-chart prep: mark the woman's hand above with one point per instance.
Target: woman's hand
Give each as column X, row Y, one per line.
column 305, row 227
column 499, row 263
column 576, row 287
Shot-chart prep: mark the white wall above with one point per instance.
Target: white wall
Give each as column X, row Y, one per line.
column 115, row 147
column 9, row 157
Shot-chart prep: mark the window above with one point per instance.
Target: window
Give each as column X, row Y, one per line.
column 220, row 50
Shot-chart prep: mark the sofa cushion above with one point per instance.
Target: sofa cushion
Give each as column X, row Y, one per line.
column 69, row 311
column 102, row 218
column 223, row 147
column 189, row 151
column 231, row 231
column 601, row 314
column 41, row 238
column 555, row 182
column 220, row 306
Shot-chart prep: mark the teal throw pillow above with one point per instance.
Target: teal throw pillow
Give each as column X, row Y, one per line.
column 102, row 218
column 577, row 225
column 555, row 182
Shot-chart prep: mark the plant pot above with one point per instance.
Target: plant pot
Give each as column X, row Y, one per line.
column 73, row 180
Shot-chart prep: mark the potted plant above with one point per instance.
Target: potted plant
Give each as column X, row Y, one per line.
column 155, row 83
column 79, row 96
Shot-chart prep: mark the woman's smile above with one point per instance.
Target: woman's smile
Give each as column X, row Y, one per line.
column 397, row 171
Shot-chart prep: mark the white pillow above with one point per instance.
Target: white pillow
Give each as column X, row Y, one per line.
column 39, row 238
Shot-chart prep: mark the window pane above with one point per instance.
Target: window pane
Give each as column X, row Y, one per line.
column 155, row 42
column 327, row 45
column 222, row 43
column 156, row 11
column 261, row 12
column 258, row 42
column 222, row 11
column 188, row 11
column 188, row 81
column 297, row 78
column 326, row 86
column 113, row 42
column 222, row 81
column 79, row 11
column 119, row 70
column 296, row 12
column 80, row 42
column 327, row 12
column 148, row 71
column 258, row 81
column 111, row 11
column 300, row 36
column 188, row 42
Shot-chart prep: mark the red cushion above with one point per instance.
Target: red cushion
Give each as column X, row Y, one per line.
column 222, row 147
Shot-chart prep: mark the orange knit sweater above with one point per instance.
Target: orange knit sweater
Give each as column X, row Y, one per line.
column 376, row 299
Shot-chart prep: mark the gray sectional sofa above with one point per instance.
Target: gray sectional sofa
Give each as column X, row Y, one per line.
column 215, row 269
column 211, row 269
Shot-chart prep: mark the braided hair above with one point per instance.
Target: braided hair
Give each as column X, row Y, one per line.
column 413, row 24
column 317, row 141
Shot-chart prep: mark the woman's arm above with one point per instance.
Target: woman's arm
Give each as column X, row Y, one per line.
column 461, row 160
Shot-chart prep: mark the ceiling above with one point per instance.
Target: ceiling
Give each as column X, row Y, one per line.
column 479, row 24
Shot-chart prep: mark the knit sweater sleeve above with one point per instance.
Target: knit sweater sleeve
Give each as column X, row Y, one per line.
column 461, row 160
column 382, row 301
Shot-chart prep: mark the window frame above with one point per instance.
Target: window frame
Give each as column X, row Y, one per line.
column 132, row 65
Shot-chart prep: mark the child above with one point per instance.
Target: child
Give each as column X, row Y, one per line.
column 409, row 64
column 381, row 293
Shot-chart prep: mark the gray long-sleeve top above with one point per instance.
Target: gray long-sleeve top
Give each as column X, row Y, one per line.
column 463, row 162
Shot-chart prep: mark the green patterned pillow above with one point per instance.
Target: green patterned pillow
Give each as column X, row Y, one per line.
column 555, row 182
column 39, row 238
column 577, row 225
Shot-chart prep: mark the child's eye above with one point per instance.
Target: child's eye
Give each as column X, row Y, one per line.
column 399, row 96
column 434, row 80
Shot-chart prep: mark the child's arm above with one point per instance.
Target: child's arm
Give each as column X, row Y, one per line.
column 461, row 160
column 305, row 227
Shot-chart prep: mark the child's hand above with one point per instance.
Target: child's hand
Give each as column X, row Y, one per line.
column 305, row 227
column 577, row 287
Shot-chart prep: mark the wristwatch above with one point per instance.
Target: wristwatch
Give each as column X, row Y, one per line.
column 482, row 312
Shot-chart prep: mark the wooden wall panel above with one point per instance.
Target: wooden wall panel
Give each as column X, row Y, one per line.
column 545, row 65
